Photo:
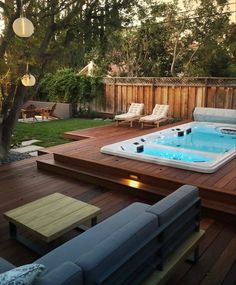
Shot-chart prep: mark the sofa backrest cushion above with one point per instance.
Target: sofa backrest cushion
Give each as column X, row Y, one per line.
column 110, row 255
column 174, row 203
column 85, row 242
column 67, row 273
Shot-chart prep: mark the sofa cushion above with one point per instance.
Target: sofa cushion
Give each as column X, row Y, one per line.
column 23, row 275
column 67, row 273
column 5, row 265
column 117, row 248
column 85, row 242
column 174, row 203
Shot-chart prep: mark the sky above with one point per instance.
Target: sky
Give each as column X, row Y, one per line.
column 232, row 7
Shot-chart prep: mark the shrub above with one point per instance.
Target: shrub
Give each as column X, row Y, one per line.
column 66, row 86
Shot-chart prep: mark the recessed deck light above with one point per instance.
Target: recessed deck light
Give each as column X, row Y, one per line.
column 133, row 183
column 133, row 176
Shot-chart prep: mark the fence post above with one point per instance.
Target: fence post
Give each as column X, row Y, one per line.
column 114, row 93
column 206, row 92
column 153, row 93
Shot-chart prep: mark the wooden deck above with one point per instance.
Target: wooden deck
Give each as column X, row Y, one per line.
column 83, row 159
column 22, row 182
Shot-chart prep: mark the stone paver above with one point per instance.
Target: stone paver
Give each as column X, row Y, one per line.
column 33, row 153
column 33, row 120
column 29, row 148
column 26, row 143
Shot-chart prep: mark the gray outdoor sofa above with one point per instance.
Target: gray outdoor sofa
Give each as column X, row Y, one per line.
column 126, row 247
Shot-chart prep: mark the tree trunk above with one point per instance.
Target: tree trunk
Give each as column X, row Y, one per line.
column 5, row 141
column 9, row 119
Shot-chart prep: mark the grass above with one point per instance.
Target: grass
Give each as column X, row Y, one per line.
column 51, row 133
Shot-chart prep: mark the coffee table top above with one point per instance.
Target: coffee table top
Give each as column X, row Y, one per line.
column 52, row 216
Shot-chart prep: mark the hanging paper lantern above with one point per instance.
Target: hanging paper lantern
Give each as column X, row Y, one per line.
column 23, row 27
column 28, row 80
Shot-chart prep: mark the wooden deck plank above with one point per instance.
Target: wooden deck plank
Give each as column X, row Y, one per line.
column 212, row 229
column 30, row 180
column 176, row 258
column 230, row 186
column 218, row 272
column 231, row 276
column 38, row 184
column 208, row 259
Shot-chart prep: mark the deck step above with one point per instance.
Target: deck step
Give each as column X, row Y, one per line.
column 216, row 199
column 98, row 178
column 113, row 181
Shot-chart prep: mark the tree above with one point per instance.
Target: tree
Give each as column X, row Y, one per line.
column 195, row 38
column 67, row 32
column 210, row 26
column 89, row 36
column 51, row 19
column 165, row 41
column 203, row 49
column 141, row 50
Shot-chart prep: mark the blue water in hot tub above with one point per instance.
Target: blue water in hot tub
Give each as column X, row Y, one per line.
column 172, row 154
column 201, row 138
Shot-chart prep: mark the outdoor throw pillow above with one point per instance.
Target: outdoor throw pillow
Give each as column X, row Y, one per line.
column 23, row 275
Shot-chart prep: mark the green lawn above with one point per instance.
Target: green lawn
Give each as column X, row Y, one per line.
column 51, row 133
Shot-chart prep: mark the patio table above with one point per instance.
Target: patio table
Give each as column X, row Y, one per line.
column 49, row 218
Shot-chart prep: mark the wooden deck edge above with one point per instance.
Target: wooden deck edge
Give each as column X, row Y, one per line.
column 206, row 192
column 76, row 136
column 119, row 183
column 44, row 151
column 62, row 148
column 98, row 178
column 178, row 256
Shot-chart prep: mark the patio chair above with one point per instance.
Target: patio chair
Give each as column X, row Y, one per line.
column 159, row 114
column 29, row 112
column 134, row 113
column 48, row 112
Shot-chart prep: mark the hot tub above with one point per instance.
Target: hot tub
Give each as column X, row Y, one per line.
column 198, row 146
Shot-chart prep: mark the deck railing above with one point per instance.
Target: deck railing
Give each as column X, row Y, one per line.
column 182, row 94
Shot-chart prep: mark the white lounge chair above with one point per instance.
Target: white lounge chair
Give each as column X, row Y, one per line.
column 134, row 113
column 159, row 114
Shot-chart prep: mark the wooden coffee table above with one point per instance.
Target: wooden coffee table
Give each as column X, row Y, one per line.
column 49, row 218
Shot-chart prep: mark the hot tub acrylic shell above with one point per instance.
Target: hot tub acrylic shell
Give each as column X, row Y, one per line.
column 127, row 149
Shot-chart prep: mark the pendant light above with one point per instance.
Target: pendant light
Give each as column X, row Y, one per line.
column 28, row 79
column 22, row 26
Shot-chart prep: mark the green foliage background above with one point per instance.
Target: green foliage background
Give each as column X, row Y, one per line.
column 66, row 86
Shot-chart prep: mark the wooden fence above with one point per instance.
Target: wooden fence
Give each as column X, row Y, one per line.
column 181, row 94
